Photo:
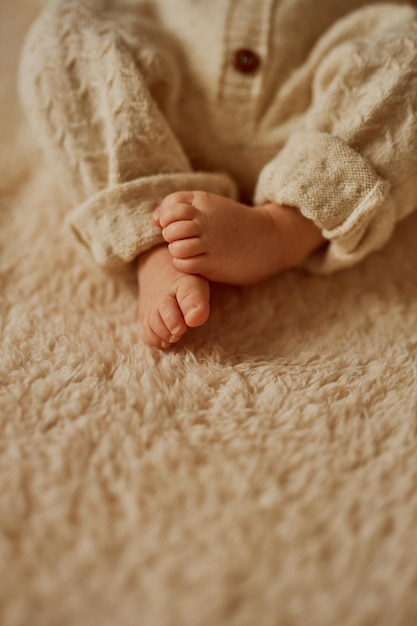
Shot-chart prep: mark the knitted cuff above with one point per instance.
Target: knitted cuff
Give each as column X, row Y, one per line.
column 333, row 185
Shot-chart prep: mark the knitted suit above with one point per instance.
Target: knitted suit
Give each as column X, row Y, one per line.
column 133, row 100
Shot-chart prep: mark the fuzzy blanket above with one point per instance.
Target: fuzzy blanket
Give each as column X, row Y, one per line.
column 263, row 473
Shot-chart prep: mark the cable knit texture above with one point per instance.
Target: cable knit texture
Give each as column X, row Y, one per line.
column 135, row 100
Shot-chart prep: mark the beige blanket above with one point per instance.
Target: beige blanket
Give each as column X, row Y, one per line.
column 264, row 473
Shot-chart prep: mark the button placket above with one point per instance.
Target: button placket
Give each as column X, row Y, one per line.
column 246, row 47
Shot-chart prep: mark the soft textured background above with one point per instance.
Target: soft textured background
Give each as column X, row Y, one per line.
column 264, row 473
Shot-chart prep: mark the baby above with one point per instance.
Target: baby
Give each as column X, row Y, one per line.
column 212, row 238
column 226, row 140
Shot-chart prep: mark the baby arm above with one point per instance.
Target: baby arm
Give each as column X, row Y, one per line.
column 229, row 242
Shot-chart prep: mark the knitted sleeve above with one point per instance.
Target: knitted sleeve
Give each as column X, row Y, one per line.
column 351, row 166
column 86, row 80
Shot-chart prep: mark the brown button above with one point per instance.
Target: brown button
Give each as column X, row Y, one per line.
column 246, row 61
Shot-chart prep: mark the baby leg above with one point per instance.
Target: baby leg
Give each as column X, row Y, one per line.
column 226, row 241
column 169, row 300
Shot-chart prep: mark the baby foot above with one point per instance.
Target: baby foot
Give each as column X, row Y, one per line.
column 169, row 300
column 218, row 238
column 229, row 242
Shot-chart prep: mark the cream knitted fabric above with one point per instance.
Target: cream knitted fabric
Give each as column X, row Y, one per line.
column 132, row 101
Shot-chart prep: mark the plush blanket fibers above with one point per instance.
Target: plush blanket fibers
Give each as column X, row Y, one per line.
column 263, row 473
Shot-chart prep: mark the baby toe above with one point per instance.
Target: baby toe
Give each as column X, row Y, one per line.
column 193, row 296
column 185, row 248
column 180, row 230
column 177, row 197
column 158, row 327
column 173, row 319
column 152, row 339
column 175, row 213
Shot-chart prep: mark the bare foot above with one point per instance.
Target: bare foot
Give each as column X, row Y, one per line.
column 169, row 300
column 233, row 243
